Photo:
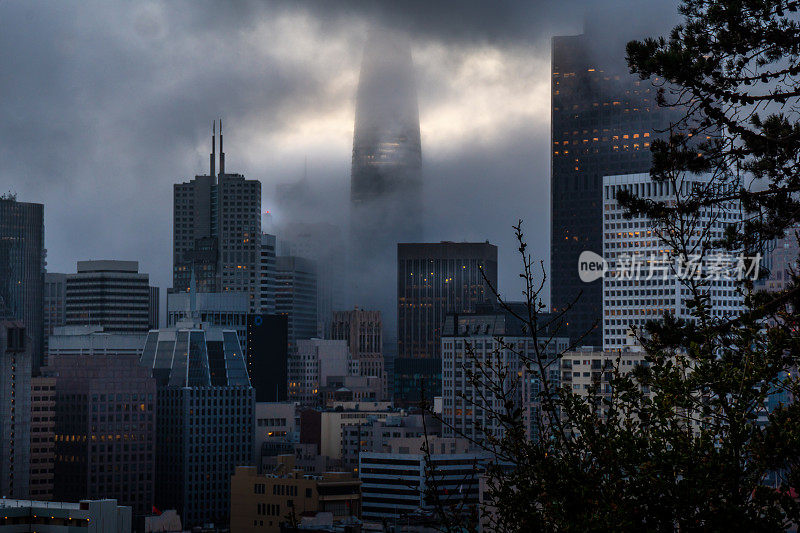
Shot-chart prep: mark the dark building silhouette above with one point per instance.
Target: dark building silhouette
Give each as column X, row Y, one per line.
column 217, row 231
column 434, row 280
column 22, row 269
column 268, row 355
column 603, row 122
column 105, row 428
column 15, row 409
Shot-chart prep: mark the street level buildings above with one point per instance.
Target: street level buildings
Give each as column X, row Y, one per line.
column 262, row 502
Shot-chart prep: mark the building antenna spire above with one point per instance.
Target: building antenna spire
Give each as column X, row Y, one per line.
column 213, row 148
column 221, row 151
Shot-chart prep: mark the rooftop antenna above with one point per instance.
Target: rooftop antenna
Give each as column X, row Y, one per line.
column 213, row 148
column 221, row 152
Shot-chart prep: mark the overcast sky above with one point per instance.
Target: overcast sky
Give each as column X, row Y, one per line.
column 104, row 105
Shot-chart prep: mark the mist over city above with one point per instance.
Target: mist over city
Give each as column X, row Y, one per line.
column 357, row 266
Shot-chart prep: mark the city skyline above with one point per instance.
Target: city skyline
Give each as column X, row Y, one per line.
column 483, row 111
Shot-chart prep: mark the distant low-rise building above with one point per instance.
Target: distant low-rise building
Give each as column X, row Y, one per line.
column 92, row 516
column 377, row 435
column 324, row 427
column 395, row 483
column 262, row 502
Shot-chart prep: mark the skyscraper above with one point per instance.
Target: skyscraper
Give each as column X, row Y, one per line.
column 386, row 175
column 22, row 269
column 110, row 453
column 603, row 121
column 434, row 280
column 642, row 283
column 217, row 231
column 111, row 294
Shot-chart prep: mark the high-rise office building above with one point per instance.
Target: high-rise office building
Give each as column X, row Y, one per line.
column 105, row 428
column 268, row 356
column 217, row 231
column 55, row 310
column 16, row 355
column 434, row 280
column 642, row 282
column 205, row 413
column 603, row 121
column 111, row 294
column 363, row 331
column 22, row 269
column 296, row 296
column 386, row 174
column 312, row 363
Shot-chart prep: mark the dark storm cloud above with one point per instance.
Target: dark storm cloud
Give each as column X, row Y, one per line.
column 104, row 105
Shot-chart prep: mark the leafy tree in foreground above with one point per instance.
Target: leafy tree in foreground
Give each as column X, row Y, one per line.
column 686, row 442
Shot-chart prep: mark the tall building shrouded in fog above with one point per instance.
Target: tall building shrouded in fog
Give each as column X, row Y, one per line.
column 603, row 121
column 386, row 178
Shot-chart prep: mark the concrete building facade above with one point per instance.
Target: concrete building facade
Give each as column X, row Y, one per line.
column 643, row 279
column 110, row 294
column 262, row 502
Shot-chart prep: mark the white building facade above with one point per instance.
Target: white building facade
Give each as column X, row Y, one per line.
column 643, row 279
